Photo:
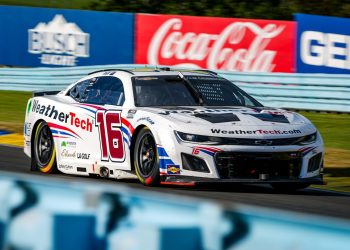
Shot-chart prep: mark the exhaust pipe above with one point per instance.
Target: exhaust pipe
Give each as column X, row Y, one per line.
column 104, row 172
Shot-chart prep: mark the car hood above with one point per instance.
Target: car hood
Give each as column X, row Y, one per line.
column 204, row 120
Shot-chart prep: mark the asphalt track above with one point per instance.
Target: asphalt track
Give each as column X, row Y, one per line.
column 310, row 200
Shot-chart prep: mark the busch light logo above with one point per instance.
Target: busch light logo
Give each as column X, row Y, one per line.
column 58, row 42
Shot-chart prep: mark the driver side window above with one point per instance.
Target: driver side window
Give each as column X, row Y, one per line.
column 100, row 90
column 78, row 92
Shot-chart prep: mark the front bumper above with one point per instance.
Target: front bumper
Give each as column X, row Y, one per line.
column 192, row 181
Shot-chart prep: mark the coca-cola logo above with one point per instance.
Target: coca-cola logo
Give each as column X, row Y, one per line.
column 239, row 46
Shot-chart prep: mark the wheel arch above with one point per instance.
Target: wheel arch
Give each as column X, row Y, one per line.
column 32, row 136
column 132, row 144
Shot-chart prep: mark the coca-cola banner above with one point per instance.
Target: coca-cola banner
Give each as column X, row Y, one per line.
column 215, row 43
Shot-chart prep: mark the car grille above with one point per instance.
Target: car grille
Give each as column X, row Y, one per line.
column 261, row 142
column 250, row 165
column 314, row 162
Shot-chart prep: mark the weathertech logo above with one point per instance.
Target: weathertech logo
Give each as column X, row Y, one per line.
column 256, row 132
column 59, row 42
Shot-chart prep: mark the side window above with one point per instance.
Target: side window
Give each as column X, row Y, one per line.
column 100, row 90
column 78, row 92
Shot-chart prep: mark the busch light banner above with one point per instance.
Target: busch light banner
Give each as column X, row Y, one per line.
column 215, row 43
column 323, row 44
column 55, row 37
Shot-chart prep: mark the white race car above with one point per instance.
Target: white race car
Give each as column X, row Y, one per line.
column 166, row 126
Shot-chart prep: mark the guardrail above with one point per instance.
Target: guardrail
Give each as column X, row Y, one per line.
column 51, row 213
column 294, row 91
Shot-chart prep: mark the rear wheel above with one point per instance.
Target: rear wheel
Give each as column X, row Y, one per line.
column 146, row 158
column 44, row 152
column 283, row 187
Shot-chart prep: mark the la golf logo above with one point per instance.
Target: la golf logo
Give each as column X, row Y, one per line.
column 59, row 42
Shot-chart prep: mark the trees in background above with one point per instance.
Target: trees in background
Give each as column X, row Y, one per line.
column 260, row 9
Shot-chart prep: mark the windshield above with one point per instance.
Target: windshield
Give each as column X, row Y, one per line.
column 198, row 90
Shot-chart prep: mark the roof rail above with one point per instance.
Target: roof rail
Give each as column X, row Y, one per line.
column 207, row 71
column 188, row 70
column 102, row 70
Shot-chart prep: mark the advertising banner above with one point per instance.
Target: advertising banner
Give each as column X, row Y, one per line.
column 323, row 44
column 55, row 37
column 215, row 43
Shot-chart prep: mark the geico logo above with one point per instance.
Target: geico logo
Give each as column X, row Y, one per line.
column 52, row 112
column 325, row 49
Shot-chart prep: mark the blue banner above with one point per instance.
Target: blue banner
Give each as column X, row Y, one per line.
column 56, row 37
column 323, row 44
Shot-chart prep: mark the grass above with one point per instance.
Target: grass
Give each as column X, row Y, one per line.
column 12, row 110
column 335, row 130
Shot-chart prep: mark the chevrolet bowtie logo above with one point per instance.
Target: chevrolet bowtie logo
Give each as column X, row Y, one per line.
column 263, row 142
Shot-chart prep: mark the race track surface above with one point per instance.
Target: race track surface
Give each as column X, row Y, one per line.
column 311, row 201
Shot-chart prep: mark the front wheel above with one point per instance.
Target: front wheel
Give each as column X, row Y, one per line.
column 44, row 153
column 146, row 158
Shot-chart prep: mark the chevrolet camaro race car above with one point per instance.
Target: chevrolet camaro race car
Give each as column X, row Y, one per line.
column 165, row 126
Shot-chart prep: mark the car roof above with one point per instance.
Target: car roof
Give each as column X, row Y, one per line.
column 156, row 71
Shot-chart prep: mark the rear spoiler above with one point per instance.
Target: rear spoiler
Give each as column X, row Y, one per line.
column 43, row 93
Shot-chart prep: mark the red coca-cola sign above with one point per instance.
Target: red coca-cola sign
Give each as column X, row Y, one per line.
column 215, row 43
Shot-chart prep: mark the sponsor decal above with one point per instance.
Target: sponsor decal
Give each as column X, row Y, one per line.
column 27, row 128
column 256, row 132
column 68, row 154
column 147, row 119
column 58, row 42
column 83, row 156
column 263, row 142
column 70, row 144
column 131, row 113
column 65, row 167
column 173, row 169
column 215, row 43
column 306, row 150
column 29, row 107
column 323, row 44
column 201, row 111
column 207, row 150
column 71, row 118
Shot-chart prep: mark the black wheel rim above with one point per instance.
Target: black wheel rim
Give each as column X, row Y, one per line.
column 147, row 154
column 44, row 146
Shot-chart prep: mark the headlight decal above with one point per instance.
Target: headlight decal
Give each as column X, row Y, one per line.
column 306, row 150
column 246, row 141
column 207, row 150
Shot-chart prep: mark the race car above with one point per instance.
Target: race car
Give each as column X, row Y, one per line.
column 170, row 126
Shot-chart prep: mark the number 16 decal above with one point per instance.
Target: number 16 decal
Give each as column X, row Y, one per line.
column 111, row 137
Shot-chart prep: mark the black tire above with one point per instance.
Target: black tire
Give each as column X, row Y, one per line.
column 44, row 152
column 286, row 188
column 146, row 158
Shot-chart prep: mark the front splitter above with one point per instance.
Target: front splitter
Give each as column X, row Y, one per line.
column 193, row 181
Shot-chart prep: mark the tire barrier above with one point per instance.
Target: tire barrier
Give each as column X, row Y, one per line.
column 320, row 92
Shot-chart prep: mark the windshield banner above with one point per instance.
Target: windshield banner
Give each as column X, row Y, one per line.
column 55, row 37
column 215, row 43
column 323, row 44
